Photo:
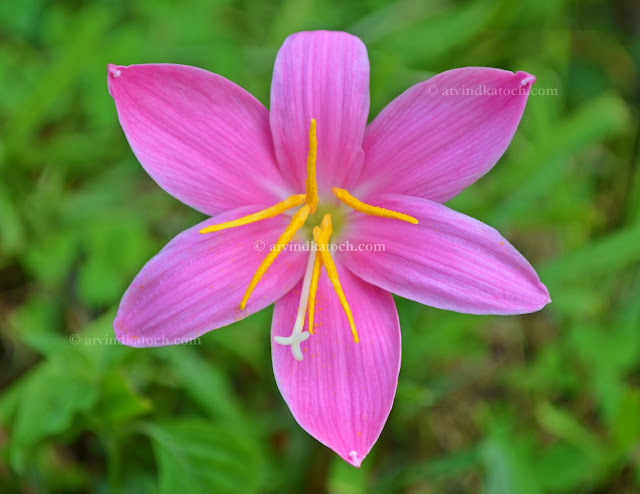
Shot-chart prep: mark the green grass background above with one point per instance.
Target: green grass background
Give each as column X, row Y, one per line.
column 535, row 404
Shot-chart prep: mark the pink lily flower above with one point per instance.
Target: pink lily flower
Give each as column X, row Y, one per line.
column 312, row 172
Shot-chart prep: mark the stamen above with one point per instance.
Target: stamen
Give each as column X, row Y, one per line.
column 297, row 221
column 297, row 335
column 365, row 208
column 275, row 210
column 324, row 233
column 312, row 156
column 321, row 255
column 327, row 226
column 322, row 240
column 315, row 277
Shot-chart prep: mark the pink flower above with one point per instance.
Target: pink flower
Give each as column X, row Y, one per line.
column 214, row 147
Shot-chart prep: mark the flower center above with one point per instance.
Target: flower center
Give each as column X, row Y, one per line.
column 338, row 219
column 320, row 255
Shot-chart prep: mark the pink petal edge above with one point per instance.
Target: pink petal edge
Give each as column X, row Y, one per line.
column 449, row 260
column 441, row 135
column 202, row 138
column 196, row 282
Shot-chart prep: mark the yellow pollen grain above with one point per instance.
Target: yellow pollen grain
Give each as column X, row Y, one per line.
column 297, row 221
column 275, row 210
column 365, row 208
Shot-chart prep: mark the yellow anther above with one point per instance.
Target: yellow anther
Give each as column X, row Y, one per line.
column 327, row 227
column 315, row 276
column 313, row 288
column 324, row 233
column 322, row 239
column 358, row 205
column 312, row 156
column 297, row 221
column 275, row 210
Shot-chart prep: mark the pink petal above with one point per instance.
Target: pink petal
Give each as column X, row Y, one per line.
column 448, row 260
column 322, row 75
column 431, row 143
column 341, row 392
column 204, row 140
column 195, row 284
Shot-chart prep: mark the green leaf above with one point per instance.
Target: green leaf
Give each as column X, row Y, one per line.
column 439, row 468
column 115, row 251
column 563, row 468
column 56, row 392
column 11, row 227
column 564, row 426
column 626, row 424
column 199, row 457
column 51, row 257
column 36, row 323
column 594, row 122
column 426, row 41
column 606, row 255
column 119, row 402
column 84, row 38
column 207, row 384
column 508, row 472
column 344, row 479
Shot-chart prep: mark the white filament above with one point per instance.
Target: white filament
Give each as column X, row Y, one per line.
column 297, row 335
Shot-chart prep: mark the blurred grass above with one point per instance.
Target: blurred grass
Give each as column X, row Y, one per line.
column 543, row 403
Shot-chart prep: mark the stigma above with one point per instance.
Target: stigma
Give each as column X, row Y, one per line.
column 320, row 255
column 297, row 334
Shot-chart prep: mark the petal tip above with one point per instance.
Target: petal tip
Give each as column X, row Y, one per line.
column 113, row 72
column 542, row 298
column 547, row 297
column 302, row 36
column 124, row 336
column 525, row 78
column 354, row 459
column 120, row 331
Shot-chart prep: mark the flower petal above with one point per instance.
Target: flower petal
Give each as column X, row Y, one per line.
column 449, row 260
column 203, row 139
column 322, row 75
column 443, row 134
column 341, row 392
column 196, row 282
